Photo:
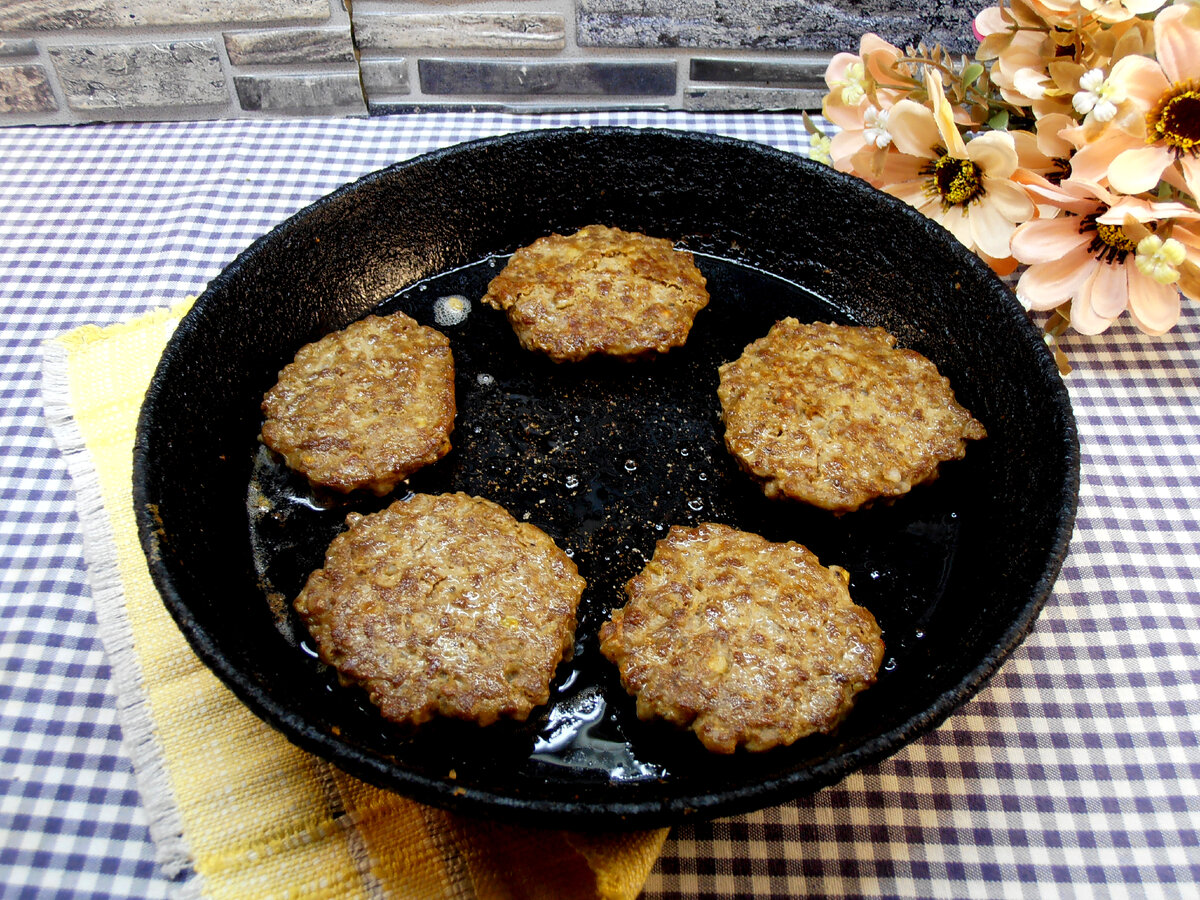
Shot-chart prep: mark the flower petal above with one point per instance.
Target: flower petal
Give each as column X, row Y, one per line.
column 914, row 130
column 847, row 118
column 957, row 222
column 1191, row 174
column 878, row 56
column 1091, row 161
column 1176, row 45
column 1140, row 79
column 990, row 229
column 1048, row 240
column 1135, row 171
column 1153, row 307
column 911, row 192
column 1083, row 318
column 1110, row 290
column 995, row 152
column 943, row 115
column 1010, row 199
column 1047, row 285
column 835, row 72
column 1049, row 140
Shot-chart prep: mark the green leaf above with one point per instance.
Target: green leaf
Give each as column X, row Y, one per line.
column 999, row 122
column 971, row 74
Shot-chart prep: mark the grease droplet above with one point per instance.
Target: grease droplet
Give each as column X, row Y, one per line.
column 695, row 505
column 451, row 309
column 572, row 482
column 630, row 465
column 890, row 665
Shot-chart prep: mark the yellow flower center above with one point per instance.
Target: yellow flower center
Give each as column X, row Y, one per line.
column 1175, row 119
column 958, row 182
column 1110, row 245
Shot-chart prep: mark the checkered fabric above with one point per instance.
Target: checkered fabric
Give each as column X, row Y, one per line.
column 1075, row 772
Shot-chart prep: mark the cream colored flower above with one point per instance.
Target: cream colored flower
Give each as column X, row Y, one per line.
column 861, row 143
column 1159, row 259
column 818, row 149
column 965, row 186
column 875, row 131
column 1097, row 96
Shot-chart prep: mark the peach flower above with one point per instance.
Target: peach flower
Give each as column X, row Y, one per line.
column 862, row 87
column 1085, row 257
column 1157, row 123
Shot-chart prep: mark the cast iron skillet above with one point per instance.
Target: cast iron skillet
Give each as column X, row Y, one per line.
column 605, row 456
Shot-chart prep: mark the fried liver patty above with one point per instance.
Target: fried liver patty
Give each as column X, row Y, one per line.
column 599, row 291
column 366, row 406
column 838, row 417
column 444, row 605
column 745, row 641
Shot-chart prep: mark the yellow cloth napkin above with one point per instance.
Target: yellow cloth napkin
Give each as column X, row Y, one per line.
column 227, row 796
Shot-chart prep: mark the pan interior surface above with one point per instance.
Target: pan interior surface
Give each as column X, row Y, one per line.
column 604, row 456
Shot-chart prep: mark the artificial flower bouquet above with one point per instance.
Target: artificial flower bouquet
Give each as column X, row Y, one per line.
column 1070, row 145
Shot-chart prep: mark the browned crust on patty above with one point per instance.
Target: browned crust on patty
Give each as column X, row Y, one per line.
column 600, row 290
column 444, row 605
column 838, row 417
column 366, row 406
column 744, row 641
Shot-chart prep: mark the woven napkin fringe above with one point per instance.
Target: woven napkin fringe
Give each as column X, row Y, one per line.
column 100, row 554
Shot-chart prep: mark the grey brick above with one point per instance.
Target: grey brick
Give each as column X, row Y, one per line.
column 460, row 31
column 778, row 25
column 749, row 98
column 56, row 15
column 279, row 46
column 385, row 76
column 10, row 47
column 464, row 76
column 152, row 74
column 799, row 74
column 25, row 89
column 336, row 92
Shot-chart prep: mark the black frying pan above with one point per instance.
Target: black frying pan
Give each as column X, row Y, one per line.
column 605, row 456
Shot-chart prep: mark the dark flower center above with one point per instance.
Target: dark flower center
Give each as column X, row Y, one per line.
column 1175, row 119
column 958, row 182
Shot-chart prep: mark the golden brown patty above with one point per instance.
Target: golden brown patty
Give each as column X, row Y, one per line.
column 600, row 290
column 836, row 416
column 444, row 605
column 366, row 406
column 745, row 641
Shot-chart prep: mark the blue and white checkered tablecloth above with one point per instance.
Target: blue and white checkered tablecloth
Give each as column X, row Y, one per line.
column 1074, row 773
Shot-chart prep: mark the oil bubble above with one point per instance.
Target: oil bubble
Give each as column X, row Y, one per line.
column 703, row 476
column 630, row 465
column 890, row 665
column 485, row 379
column 695, row 505
column 683, row 451
column 451, row 309
column 571, row 482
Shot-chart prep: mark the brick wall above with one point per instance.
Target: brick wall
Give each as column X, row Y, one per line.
column 67, row 61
